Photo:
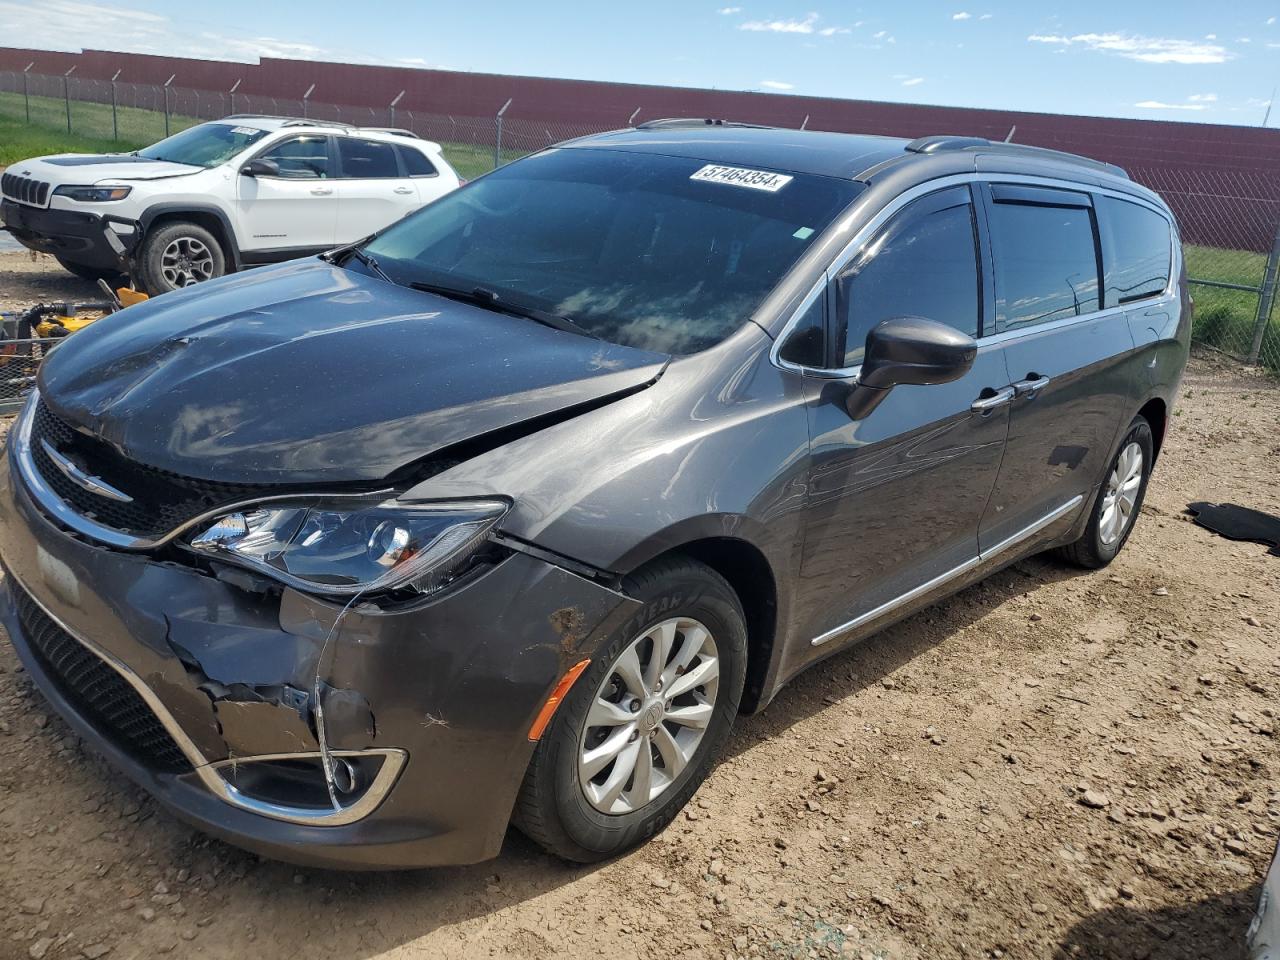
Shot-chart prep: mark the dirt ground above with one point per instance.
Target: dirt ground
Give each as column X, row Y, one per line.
column 1051, row 764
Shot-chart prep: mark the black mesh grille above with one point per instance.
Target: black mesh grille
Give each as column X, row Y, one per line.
column 161, row 502
column 24, row 189
column 97, row 691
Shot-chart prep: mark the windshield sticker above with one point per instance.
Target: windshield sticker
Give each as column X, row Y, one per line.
column 244, row 131
column 804, row 233
column 740, row 177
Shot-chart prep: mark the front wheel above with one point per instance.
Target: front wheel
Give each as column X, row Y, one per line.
column 178, row 255
column 1119, row 500
column 644, row 723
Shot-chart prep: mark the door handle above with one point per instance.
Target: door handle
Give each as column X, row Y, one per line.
column 322, row 191
column 1030, row 386
column 997, row 398
column 404, row 190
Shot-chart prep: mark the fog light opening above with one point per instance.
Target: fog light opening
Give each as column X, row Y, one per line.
column 346, row 778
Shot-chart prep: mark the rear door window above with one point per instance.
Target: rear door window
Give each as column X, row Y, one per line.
column 1044, row 243
column 367, row 159
column 1137, row 253
column 923, row 264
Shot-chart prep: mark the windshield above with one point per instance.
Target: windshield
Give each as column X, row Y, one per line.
column 206, row 145
column 664, row 253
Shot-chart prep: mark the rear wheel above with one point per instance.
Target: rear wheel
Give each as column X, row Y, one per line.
column 644, row 723
column 178, row 255
column 86, row 272
column 1119, row 500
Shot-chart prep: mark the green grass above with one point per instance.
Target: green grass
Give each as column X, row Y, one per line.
column 1225, row 318
column 91, row 131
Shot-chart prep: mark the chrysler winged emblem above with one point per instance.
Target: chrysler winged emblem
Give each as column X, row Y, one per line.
column 81, row 479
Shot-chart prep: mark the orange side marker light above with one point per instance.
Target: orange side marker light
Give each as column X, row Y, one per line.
column 559, row 693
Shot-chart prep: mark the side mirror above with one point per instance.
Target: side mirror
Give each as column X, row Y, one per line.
column 908, row 350
column 261, row 168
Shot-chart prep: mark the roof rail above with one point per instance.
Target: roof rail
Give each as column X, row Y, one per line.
column 939, row 144
column 394, row 131
column 290, row 121
column 696, row 122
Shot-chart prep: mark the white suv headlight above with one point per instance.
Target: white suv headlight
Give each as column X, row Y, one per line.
column 93, row 194
column 345, row 548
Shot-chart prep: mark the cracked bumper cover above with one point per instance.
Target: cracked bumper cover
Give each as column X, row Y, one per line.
column 449, row 687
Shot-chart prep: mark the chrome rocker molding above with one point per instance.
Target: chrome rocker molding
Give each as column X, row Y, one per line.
column 61, row 511
column 211, row 773
column 1008, row 543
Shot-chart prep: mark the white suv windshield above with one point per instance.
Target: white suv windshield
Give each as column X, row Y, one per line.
column 659, row 252
column 206, row 145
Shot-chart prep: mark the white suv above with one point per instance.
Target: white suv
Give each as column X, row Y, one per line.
column 237, row 192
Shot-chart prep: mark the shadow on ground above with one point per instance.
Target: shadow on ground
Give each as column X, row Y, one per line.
column 1210, row 929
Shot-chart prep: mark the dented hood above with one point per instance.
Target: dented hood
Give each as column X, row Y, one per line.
column 308, row 372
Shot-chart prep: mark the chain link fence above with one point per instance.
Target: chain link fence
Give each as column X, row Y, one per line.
column 1230, row 218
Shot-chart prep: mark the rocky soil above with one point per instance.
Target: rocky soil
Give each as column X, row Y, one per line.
column 1052, row 764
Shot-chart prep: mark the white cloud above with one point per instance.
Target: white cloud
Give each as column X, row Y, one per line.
column 75, row 25
column 1158, row 105
column 1211, row 36
column 913, row 82
column 884, row 36
column 1144, row 49
column 985, row 16
column 777, row 85
column 1203, row 98
column 729, row 11
column 1271, row 21
column 806, row 25
column 1244, row 39
column 962, row 15
column 832, row 31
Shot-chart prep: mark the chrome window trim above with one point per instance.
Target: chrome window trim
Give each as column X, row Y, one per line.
column 209, row 773
column 61, row 511
column 983, row 556
column 885, row 213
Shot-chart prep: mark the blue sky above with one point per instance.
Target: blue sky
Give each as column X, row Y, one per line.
column 1215, row 62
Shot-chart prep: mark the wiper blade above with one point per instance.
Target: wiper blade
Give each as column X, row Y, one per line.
column 492, row 300
column 354, row 250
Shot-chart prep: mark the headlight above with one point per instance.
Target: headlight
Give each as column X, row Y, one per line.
column 331, row 546
column 93, row 194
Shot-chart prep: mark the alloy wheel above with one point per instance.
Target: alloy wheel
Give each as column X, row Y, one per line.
column 1121, row 495
column 649, row 716
column 186, row 261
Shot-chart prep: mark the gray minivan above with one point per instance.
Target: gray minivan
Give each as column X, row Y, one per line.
column 507, row 512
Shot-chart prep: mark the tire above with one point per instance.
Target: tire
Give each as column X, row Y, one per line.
column 177, row 255
column 1101, row 540
column 86, row 272
column 553, row 807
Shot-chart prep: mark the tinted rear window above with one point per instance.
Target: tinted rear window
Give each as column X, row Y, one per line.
column 416, row 163
column 1139, row 252
column 1046, row 263
column 367, row 159
column 633, row 247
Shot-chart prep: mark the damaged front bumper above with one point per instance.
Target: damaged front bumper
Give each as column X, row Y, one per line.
column 92, row 239
column 214, row 698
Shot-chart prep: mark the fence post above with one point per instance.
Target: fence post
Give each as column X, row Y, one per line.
column 391, row 110
column 1266, row 298
column 497, row 142
column 305, row 97
column 66, row 95
column 631, row 120
column 232, row 92
column 25, row 99
column 166, row 104
column 115, row 123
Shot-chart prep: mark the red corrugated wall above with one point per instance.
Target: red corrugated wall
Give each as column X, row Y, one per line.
column 1238, row 166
